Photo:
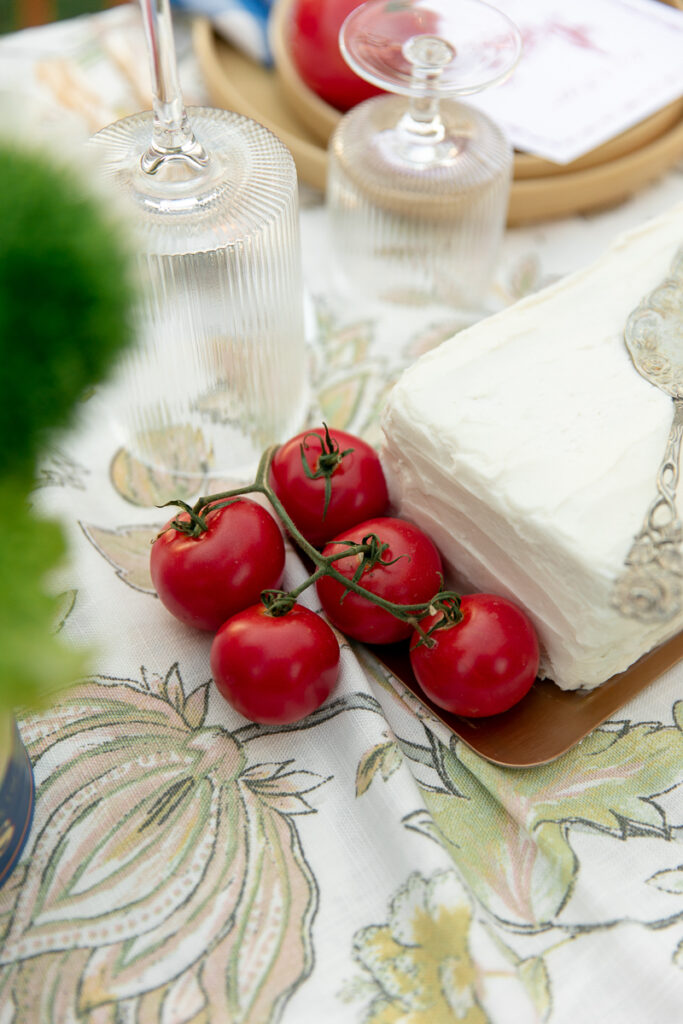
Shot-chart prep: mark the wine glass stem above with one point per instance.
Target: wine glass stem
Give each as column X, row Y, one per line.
column 172, row 135
column 428, row 55
column 423, row 118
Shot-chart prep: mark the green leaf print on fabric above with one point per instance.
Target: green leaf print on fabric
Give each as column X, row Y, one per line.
column 519, row 877
column 127, row 549
column 59, row 469
column 195, row 895
column 384, row 758
column 341, row 401
column 419, row 961
column 10, row 893
column 669, row 881
column 345, row 381
column 64, row 606
column 534, row 976
column 370, row 428
column 522, row 865
column 342, row 344
column 146, row 486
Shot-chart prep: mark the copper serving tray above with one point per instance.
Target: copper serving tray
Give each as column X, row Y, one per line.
column 548, row 721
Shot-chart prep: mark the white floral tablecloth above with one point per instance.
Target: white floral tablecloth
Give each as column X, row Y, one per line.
column 187, row 867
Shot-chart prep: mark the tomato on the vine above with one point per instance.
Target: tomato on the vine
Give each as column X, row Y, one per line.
column 314, row 47
column 483, row 664
column 204, row 580
column 328, row 481
column 409, row 571
column 275, row 669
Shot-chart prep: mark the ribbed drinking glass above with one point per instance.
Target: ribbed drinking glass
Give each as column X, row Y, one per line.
column 220, row 369
column 418, row 183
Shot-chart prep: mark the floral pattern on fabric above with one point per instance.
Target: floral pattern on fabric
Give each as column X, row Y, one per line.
column 513, row 836
column 420, row 962
column 187, row 867
column 204, row 898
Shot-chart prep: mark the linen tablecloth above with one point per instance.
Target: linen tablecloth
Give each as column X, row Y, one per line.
column 188, row 867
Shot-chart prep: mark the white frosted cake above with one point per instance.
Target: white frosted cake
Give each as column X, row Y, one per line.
column 528, row 447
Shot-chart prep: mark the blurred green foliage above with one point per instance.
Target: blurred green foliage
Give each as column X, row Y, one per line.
column 65, row 314
column 64, row 309
column 35, row 662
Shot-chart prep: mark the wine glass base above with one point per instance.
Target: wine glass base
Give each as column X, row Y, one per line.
column 246, row 178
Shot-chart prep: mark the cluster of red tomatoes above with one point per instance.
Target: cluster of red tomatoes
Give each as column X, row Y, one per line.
column 274, row 660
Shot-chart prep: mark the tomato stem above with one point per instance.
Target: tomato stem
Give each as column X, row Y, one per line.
column 370, row 551
column 193, row 527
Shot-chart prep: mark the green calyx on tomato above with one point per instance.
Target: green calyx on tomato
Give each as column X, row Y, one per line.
column 329, row 459
column 327, row 481
column 277, row 602
column 445, row 611
column 404, row 577
column 203, row 580
column 371, row 551
column 483, row 665
column 275, row 669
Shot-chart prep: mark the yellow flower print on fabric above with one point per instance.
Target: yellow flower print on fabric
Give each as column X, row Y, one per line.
column 419, row 961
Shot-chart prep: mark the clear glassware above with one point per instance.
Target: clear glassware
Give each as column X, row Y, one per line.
column 220, row 369
column 418, row 183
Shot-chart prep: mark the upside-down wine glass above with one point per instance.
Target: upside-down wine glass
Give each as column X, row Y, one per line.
column 418, row 183
column 219, row 371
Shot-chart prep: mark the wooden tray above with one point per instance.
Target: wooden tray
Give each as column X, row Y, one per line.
column 548, row 721
column 321, row 119
column 279, row 100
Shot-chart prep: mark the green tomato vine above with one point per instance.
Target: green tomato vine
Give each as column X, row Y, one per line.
column 371, row 550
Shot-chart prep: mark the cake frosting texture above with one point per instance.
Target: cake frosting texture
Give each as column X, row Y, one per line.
column 528, row 448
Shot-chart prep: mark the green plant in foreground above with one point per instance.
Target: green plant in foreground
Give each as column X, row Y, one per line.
column 65, row 302
column 34, row 661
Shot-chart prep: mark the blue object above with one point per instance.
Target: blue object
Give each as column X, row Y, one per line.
column 243, row 22
column 16, row 802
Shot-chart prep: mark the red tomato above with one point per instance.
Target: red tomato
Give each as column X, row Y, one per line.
column 357, row 487
column 414, row 578
column 314, row 47
column 275, row 669
column 204, row 580
column 482, row 665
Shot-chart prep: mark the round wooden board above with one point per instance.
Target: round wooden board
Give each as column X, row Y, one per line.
column 237, row 83
column 540, row 190
column 321, row 119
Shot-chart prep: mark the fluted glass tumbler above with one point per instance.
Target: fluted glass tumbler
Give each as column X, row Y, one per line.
column 418, row 183
column 219, row 371
column 414, row 238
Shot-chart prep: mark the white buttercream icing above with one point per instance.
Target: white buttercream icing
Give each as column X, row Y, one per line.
column 528, row 447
